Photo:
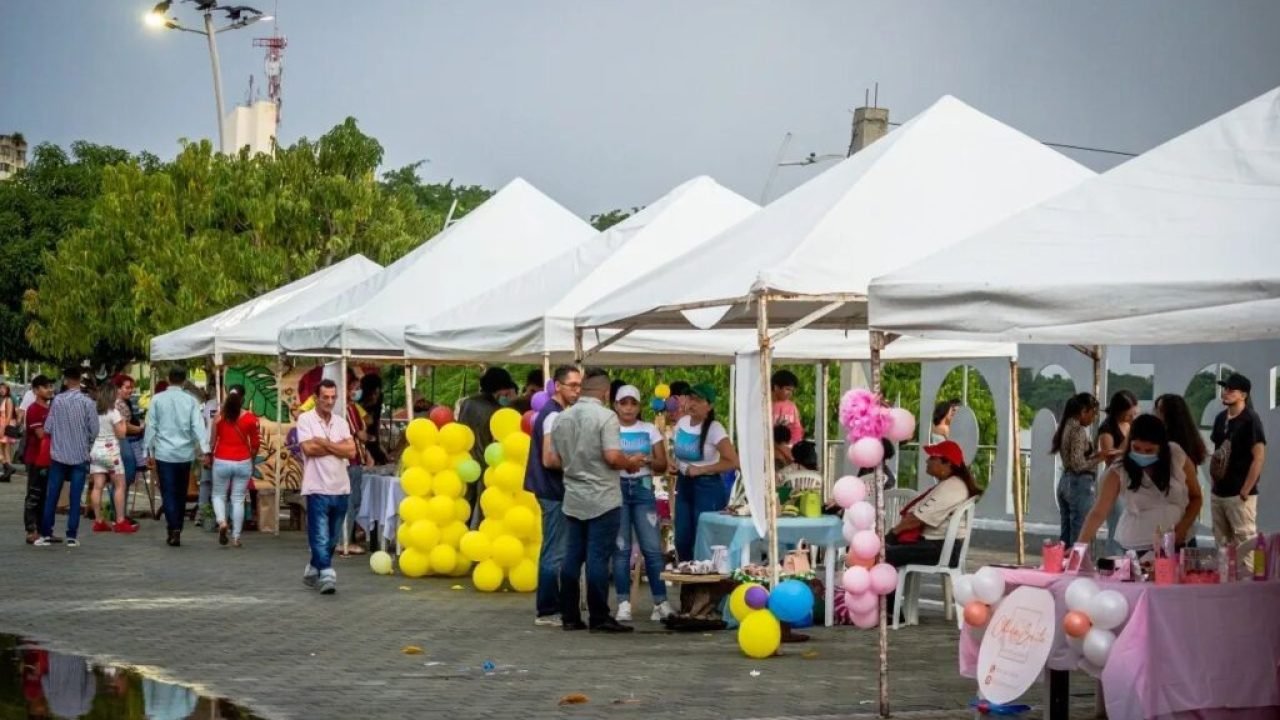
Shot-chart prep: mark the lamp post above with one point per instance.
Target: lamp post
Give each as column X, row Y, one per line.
column 240, row 16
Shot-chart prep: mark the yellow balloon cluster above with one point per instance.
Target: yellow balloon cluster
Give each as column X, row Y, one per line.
column 433, row 534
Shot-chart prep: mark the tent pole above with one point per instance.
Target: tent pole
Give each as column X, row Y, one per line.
column 733, row 400
column 408, row 392
column 546, row 369
column 822, row 408
column 577, row 347
column 766, row 399
column 342, row 404
column 877, row 345
column 280, row 425
column 217, row 382
column 1097, row 373
column 1019, row 510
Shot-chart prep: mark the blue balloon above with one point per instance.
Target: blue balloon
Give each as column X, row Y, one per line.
column 806, row 622
column 791, row 601
column 657, row 404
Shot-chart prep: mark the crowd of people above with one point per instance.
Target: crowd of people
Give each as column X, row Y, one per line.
column 1150, row 466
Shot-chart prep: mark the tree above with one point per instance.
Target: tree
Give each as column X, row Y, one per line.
column 167, row 247
column 606, row 220
column 436, row 198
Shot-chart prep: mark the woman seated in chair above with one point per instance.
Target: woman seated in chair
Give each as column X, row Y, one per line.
column 918, row 537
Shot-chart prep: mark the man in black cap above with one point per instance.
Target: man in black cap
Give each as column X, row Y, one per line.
column 1239, row 451
column 497, row 390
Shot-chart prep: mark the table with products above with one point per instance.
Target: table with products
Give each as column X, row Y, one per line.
column 738, row 534
column 1187, row 650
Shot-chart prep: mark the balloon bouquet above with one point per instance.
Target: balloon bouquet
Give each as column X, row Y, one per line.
column 1094, row 617
column 760, row 614
column 434, row 536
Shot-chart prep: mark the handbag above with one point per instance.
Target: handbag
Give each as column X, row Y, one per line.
column 12, row 431
column 797, row 561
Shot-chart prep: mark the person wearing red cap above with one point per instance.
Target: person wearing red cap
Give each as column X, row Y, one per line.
column 918, row 536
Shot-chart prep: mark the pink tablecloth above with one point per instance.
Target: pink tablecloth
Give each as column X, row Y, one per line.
column 1185, row 648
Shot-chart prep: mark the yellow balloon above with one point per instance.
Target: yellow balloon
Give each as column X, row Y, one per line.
column 495, row 502
column 424, row 535
column 519, row 521
column 529, row 500
column 488, row 477
column 435, row 458
column 443, row 559
column 461, row 510
column 508, row 477
column 413, row 509
column 487, row 576
column 446, row 483
column 507, row 551
column 515, row 448
column 760, row 634
column 414, row 563
column 410, row 458
column 503, row 423
column 524, row 576
column 461, row 567
column 475, row 546
column 738, row 601
column 493, row 528
column 380, row 563
column 440, row 510
column 421, row 433
column 662, row 391
column 452, row 533
column 455, row 458
column 456, row 438
column 402, row 535
column 415, row 481
column 533, row 549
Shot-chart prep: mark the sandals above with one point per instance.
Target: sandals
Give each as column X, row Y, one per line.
column 222, row 533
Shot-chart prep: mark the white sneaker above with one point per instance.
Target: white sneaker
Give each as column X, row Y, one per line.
column 548, row 620
column 43, row 542
column 310, row 576
column 662, row 612
column 328, row 582
column 624, row 612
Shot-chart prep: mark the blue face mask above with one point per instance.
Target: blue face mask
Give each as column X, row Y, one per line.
column 504, row 401
column 1143, row 459
column 359, row 394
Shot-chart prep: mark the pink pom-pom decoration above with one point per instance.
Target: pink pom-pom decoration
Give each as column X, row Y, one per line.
column 856, row 580
column 864, row 602
column 867, row 452
column 902, row 425
column 849, row 490
column 862, row 515
column 862, row 415
column 884, row 579
column 866, row 621
column 865, row 544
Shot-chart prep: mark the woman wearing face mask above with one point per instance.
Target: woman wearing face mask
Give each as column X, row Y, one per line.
column 639, row 507
column 1158, row 484
column 1113, row 433
column 703, row 452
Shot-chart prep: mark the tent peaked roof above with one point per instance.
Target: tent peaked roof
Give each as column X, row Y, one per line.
column 945, row 174
column 250, row 328
column 533, row 314
column 515, row 229
column 1177, row 245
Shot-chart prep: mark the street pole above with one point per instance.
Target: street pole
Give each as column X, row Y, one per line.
column 209, row 33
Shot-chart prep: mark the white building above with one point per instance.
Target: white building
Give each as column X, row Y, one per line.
column 13, row 154
column 253, row 125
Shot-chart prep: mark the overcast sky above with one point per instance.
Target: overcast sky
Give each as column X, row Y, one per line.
column 605, row 103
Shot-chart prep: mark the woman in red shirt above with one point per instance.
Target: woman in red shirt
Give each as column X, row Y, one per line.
column 236, row 438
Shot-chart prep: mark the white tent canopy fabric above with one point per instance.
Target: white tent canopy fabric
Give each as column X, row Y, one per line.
column 517, row 228
column 942, row 176
column 1179, row 245
column 251, row 328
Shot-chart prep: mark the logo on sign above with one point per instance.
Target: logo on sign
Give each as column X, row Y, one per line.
column 1016, row 644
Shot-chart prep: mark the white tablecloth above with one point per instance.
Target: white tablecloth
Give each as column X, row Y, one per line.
column 380, row 505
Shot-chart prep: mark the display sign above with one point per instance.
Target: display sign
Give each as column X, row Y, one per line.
column 1016, row 644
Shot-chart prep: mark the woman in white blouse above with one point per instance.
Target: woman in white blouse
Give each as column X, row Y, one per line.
column 1158, row 484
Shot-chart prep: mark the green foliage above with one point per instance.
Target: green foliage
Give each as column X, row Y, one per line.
column 606, row 220
column 435, row 199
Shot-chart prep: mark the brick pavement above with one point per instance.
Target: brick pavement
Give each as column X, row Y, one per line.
column 240, row 625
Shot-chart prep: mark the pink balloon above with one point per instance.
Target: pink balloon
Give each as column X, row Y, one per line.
column 866, row 621
column 865, row 544
column 862, row 602
column 856, row 580
column 862, row 515
column 849, row 490
column 884, row 579
column 902, row 425
column 848, row 531
column 866, row 453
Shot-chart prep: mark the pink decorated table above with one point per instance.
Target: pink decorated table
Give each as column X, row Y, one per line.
column 1186, row 651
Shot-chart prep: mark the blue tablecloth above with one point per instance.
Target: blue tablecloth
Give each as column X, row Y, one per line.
column 739, row 534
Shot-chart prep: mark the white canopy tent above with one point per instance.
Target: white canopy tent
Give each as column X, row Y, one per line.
column 251, row 328
column 807, row 259
column 1178, row 245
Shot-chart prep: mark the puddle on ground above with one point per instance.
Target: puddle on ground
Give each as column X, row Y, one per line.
column 36, row 683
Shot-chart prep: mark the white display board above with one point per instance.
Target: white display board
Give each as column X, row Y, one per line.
column 1016, row 644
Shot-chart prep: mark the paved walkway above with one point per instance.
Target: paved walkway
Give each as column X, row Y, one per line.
column 240, row 624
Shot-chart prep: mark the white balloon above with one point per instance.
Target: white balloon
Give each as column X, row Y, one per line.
column 848, row 530
column 862, row 515
column 1107, row 610
column 963, row 590
column 988, row 585
column 1079, row 592
column 1097, row 646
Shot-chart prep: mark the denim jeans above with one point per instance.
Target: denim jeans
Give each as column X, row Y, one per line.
column 206, row 488
column 639, row 513
column 58, row 473
column 324, row 523
column 234, row 474
column 33, row 507
column 551, row 558
column 589, row 541
column 355, row 474
column 694, row 496
column 174, row 478
column 1075, row 499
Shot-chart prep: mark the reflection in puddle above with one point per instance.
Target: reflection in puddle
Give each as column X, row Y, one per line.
column 39, row 683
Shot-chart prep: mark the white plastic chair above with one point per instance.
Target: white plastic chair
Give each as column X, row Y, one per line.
column 894, row 500
column 907, row 607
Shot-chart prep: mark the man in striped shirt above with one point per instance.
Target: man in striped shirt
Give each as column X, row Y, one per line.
column 72, row 426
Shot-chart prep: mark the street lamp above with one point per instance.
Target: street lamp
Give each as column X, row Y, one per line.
column 239, row 15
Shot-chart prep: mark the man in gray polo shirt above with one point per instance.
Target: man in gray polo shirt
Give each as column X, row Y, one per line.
column 587, row 437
